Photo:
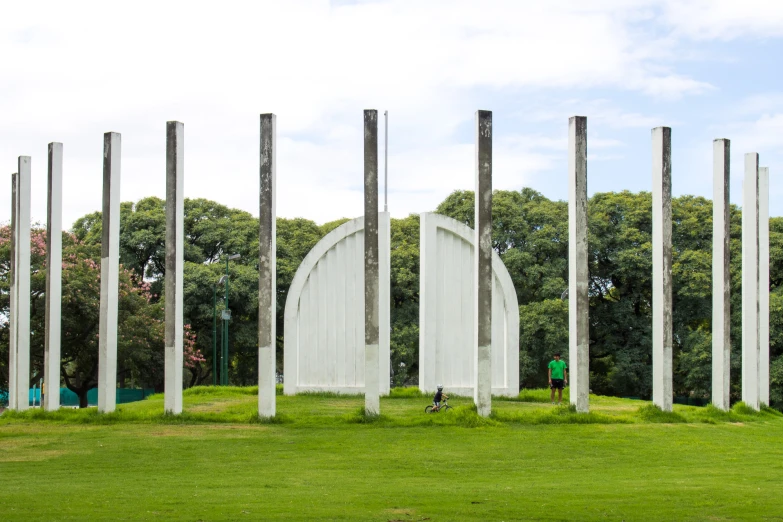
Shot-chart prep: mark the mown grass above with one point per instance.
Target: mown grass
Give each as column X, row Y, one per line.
column 402, row 408
column 323, row 458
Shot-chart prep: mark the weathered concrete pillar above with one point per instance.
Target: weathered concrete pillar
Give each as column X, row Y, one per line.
column 721, row 277
column 13, row 294
column 371, row 269
column 578, row 301
column 23, row 286
column 750, row 282
column 110, row 266
column 267, row 268
column 483, row 240
column 662, row 267
column 764, row 286
column 175, row 264
column 54, row 261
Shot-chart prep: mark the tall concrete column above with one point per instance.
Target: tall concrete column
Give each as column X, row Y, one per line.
column 267, row 267
column 54, row 259
column 750, row 282
column 662, row 266
column 23, row 286
column 483, row 283
column 110, row 266
column 13, row 310
column 175, row 264
column 721, row 277
column 578, row 301
column 764, row 285
column 371, row 269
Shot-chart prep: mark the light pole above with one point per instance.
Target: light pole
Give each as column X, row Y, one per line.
column 226, row 316
column 214, row 330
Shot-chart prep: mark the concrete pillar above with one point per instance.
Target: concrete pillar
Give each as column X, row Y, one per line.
column 175, row 264
column 54, row 260
column 13, row 309
column 662, row 266
column 721, row 277
column 371, row 268
column 267, row 268
column 110, row 266
column 750, row 282
column 482, row 394
column 23, row 285
column 578, row 301
column 764, row 286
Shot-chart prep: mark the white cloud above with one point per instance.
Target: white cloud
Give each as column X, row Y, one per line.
column 725, row 19
column 69, row 72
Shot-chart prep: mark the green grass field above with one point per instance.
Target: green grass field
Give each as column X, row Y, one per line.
column 322, row 459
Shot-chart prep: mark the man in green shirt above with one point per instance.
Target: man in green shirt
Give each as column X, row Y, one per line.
column 558, row 378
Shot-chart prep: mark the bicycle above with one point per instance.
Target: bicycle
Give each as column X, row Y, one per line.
column 444, row 406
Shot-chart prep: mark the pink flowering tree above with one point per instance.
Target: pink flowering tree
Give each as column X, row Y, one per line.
column 140, row 353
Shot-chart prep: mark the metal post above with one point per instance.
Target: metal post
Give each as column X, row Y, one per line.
column 225, row 333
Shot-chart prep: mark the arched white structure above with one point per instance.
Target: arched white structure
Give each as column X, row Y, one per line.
column 446, row 315
column 324, row 313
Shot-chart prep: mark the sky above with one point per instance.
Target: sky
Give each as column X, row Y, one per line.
column 70, row 71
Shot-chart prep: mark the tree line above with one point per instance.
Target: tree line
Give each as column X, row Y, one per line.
column 530, row 233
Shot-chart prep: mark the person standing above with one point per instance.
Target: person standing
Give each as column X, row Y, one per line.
column 558, row 378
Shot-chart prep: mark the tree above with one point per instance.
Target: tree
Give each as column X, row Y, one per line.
column 140, row 320
column 404, row 341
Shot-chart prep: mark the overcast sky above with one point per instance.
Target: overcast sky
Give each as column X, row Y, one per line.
column 70, row 71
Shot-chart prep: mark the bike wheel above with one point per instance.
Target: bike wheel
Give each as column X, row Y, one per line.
column 428, row 409
column 445, row 408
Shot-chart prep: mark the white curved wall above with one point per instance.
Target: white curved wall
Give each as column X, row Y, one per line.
column 446, row 314
column 324, row 313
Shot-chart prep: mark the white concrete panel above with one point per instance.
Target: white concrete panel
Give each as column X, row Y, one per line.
column 352, row 312
column 465, row 329
column 341, row 288
column 324, row 314
column 428, row 290
column 330, row 265
column 446, row 312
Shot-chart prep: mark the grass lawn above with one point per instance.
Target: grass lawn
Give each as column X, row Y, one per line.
column 322, row 459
